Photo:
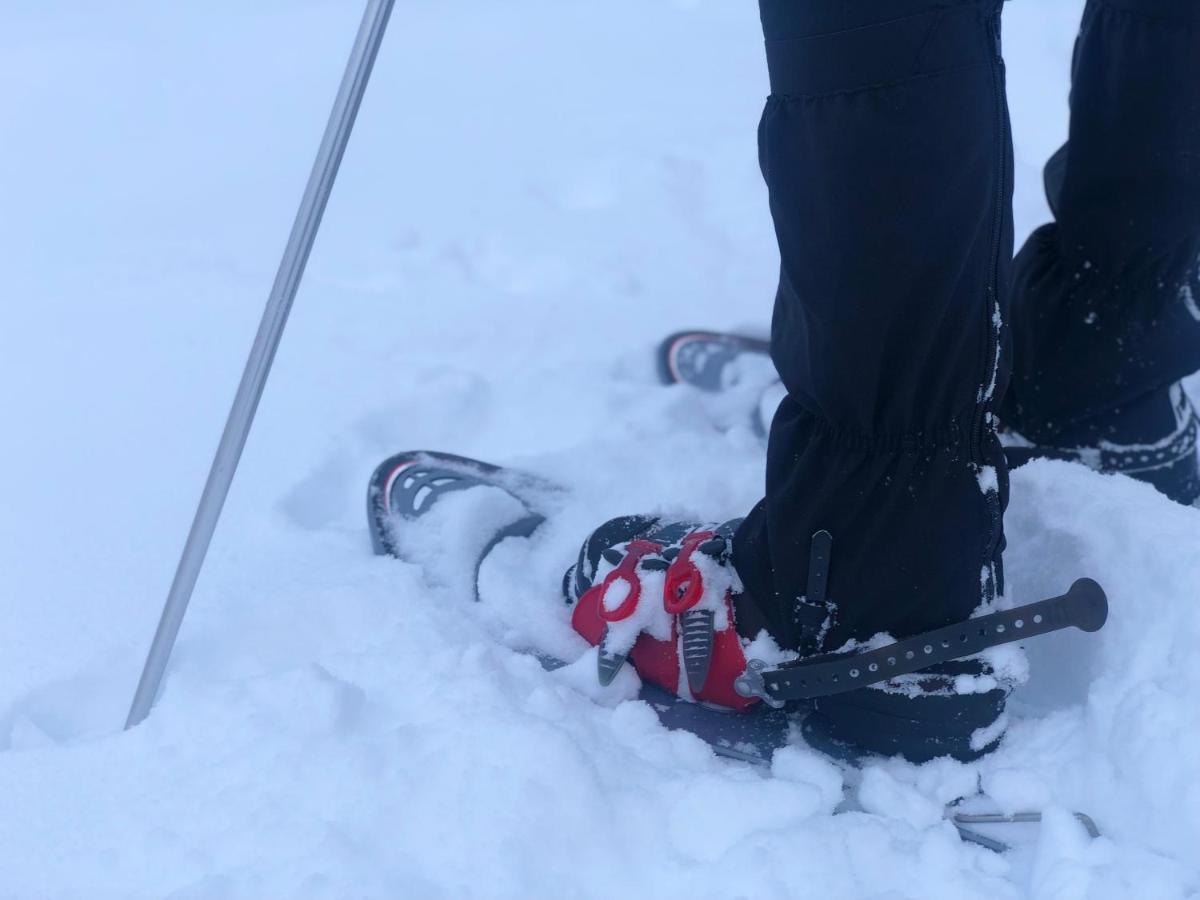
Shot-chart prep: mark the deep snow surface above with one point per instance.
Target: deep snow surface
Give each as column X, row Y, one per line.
column 536, row 191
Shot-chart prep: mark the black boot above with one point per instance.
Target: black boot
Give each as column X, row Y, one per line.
column 1152, row 438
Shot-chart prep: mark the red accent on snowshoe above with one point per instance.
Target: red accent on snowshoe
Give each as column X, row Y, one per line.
column 728, row 662
column 585, row 618
column 658, row 661
column 685, row 584
column 626, row 571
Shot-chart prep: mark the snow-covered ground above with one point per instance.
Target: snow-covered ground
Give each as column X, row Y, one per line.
column 536, row 191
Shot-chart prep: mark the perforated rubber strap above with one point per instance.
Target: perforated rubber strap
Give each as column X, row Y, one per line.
column 1084, row 606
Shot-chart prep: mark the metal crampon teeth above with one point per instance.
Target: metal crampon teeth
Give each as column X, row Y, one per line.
column 698, row 632
column 608, row 664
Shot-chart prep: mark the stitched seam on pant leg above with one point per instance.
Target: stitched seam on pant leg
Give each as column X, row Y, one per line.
column 933, row 27
column 982, row 422
column 878, row 86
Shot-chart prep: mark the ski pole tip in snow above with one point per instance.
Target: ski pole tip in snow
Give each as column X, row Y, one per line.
column 262, row 353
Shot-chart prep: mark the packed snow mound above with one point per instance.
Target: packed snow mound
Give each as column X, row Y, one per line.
column 536, row 192
column 1108, row 720
column 351, row 726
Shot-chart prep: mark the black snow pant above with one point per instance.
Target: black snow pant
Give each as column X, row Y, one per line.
column 899, row 321
column 1106, row 299
column 886, row 153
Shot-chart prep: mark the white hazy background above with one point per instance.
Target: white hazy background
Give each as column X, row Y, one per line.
column 536, row 191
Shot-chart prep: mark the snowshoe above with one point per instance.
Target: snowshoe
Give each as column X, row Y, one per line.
column 723, row 363
column 702, row 358
column 690, row 650
column 408, row 485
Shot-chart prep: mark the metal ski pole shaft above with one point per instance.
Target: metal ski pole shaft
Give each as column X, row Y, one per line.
column 262, row 353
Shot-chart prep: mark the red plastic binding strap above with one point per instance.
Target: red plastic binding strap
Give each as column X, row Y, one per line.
column 627, row 572
column 685, row 584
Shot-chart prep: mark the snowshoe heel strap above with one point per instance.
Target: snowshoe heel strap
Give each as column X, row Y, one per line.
column 1084, row 606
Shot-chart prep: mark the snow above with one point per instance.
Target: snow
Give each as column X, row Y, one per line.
column 536, row 191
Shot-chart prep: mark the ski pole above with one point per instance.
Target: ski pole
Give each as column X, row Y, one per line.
column 262, row 353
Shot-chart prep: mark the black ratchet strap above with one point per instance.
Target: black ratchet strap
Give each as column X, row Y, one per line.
column 1084, row 606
